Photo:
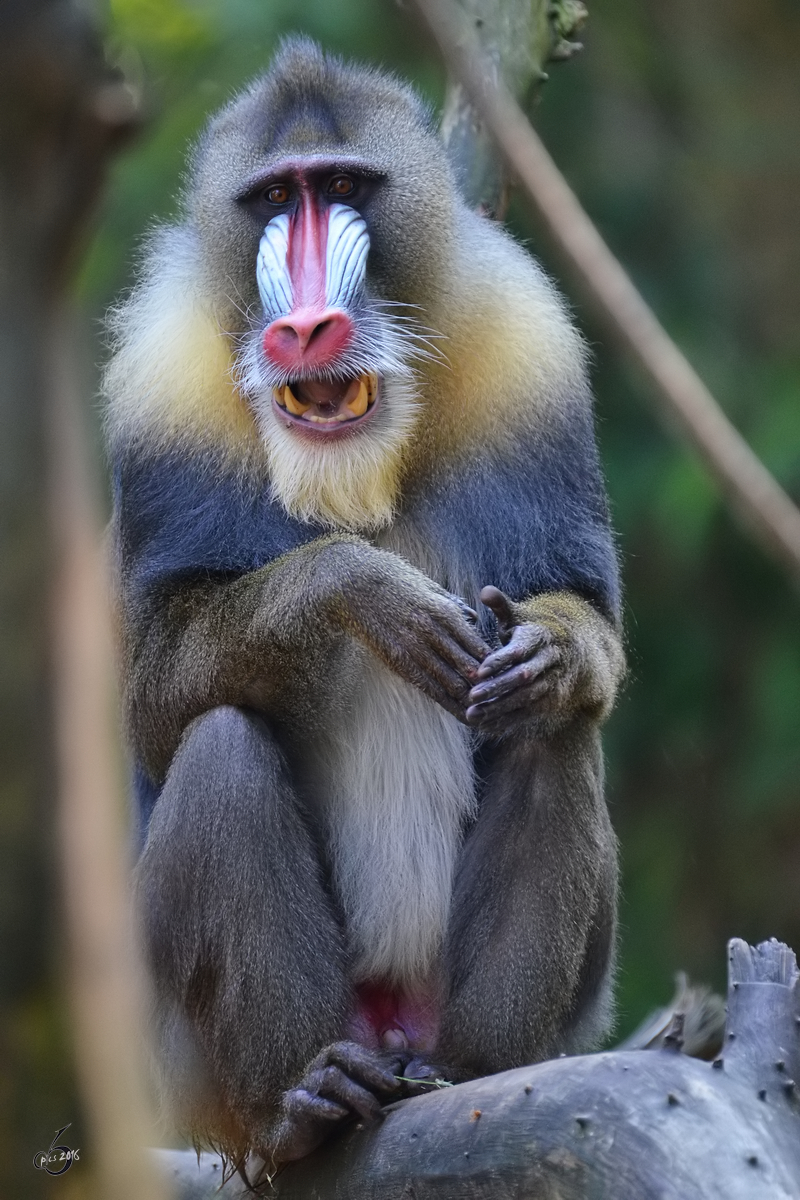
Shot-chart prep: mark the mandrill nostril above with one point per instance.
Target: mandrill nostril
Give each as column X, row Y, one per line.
column 306, row 338
column 299, row 336
column 319, row 330
column 303, row 337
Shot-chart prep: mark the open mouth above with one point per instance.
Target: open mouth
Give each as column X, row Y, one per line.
column 327, row 405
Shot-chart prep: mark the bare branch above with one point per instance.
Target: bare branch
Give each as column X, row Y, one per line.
column 105, row 975
column 516, row 38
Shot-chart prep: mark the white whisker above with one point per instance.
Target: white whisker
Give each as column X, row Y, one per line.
column 249, row 311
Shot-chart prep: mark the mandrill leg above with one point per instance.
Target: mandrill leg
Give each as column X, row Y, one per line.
column 247, row 951
column 531, row 940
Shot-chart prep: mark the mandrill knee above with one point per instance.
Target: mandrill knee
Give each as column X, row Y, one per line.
column 227, row 754
column 224, row 736
column 220, row 729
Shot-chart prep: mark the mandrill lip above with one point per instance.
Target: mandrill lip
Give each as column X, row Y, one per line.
column 327, row 408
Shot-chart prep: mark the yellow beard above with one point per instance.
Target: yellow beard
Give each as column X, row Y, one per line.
column 348, row 483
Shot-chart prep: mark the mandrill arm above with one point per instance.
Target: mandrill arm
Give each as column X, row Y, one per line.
column 261, row 640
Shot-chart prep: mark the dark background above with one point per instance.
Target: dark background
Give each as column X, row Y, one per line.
column 679, row 126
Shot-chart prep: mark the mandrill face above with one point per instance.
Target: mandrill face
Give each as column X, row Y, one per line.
column 323, row 217
column 328, row 367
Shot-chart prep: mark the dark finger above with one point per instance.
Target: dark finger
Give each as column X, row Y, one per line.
column 422, row 1070
column 343, row 1090
column 360, row 1064
column 523, row 643
column 419, row 1074
column 501, row 606
column 307, row 1122
column 412, row 662
column 427, row 657
column 493, row 712
column 453, row 654
column 456, row 708
column 515, row 677
column 300, row 1105
column 454, row 684
column 397, row 1060
column 466, row 611
column 416, row 674
column 415, row 663
column 450, row 617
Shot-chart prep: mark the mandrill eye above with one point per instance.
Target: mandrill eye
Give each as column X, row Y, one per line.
column 341, row 185
column 278, row 194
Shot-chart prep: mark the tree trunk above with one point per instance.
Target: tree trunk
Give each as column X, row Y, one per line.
column 62, row 114
column 518, row 38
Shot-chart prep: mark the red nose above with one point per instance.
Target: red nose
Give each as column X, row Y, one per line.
column 308, row 337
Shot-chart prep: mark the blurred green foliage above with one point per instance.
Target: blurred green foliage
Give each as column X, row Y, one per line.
column 678, row 126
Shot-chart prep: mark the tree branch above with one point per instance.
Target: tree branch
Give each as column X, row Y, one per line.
column 517, row 38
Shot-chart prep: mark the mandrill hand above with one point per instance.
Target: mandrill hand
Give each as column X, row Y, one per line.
column 558, row 656
column 345, row 1082
column 525, row 677
column 422, row 632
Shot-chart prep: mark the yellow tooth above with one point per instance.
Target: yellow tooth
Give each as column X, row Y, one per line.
column 277, row 394
column 359, row 406
column 292, row 404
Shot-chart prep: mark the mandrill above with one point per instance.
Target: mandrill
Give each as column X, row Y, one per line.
column 369, row 618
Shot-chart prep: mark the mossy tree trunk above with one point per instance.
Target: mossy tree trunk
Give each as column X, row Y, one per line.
column 519, row 38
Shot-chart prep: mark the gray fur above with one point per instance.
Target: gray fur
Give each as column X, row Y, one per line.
column 229, row 858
